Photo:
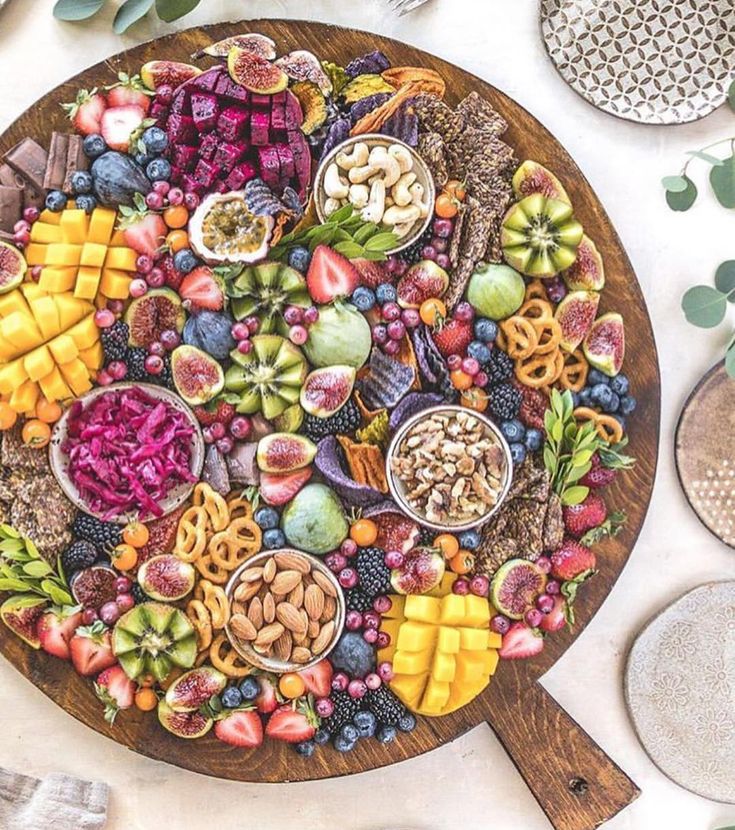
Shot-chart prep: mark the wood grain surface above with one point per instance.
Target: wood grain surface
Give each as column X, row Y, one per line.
column 573, row 780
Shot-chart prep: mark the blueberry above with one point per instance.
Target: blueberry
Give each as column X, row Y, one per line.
column 533, row 440
column 575, row 399
column 305, row 748
column 299, row 258
column 353, row 655
column 362, row 298
column 155, row 140
column 266, row 518
column 81, row 182
column 595, row 377
column 56, row 201
column 601, row 394
column 627, row 404
column 386, row 734
column 486, row 330
column 349, row 732
column 513, row 431
column 518, row 453
column 185, row 261
column 620, row 384
column 613, row 404
column 273, row 539
column 343, row 745
column 231, row 697
column 249, row 688
column 322, row 736
column 159, row 170
column 142, row 159
column 479, row 351
column 469, row 540
column 366, row 723
column 407, row 722
column 585, row 397
column 86, row 202
column 386, row 293
column 94, row 146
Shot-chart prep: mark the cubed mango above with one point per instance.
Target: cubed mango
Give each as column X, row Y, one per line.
column 101, row 225
column 88, row 280
column 421, row 608
column 55, row 280
column 122, row 259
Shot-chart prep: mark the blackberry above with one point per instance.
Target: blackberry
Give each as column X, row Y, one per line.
column 505, row 401
column 500, row 366
column 345, row 421
column 412, row 254
column 80, row 554
column 345, row 708
column 104, row 535
column 139, row 595
column 385, row 706
column 136, row 364
column 115, row 341
column 358, row 600
column 373, row 572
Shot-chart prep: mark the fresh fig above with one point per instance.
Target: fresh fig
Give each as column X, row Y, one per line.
column 575, row 314
column 422, row 281
column 326, row 391
column 341, row 335
column 301, row 65
column 116, row 178
column 167, row 73
column 254, row 73
column 210, row 331
column 540, row 236
column 265, row 291
column 532, row 177
column 422, row 570
column 150, row 315
column 166, row 578
column 495, row 291
column 604, row 346
column 12, row 267
column 284, row 452
column 21, row 614
column 290, row 419
column 161, row 535
column 223, row 230
column 314, row 520
column 183, row 724
column 396, row 531
column 277, row 489
column 515, row 586
column 197, row 376
column 194, row 688
column 250, row 42
column 588, row 271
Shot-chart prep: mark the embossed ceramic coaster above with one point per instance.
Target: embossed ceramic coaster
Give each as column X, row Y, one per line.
column 680, row 690
column 651, row 61
column 705, row 452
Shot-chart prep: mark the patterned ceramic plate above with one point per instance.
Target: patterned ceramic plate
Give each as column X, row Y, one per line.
column 705, row 453
column 651, row 61
column 680, row 690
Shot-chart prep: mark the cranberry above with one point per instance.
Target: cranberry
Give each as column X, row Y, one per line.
column 340, row 681
column 464, row 312
column 156, row 278
column 225, row 444
column 20, row 226
column 373, row 681
column 454, row 362
column 390, row 312
column 382, row 604
column 335, row 561
column 311, row 315
column 104, row 318
column 293, row 314
column 480, row 585
column 396, row 330
column 410, row 318
column 156, row 347
column 175, row 196
column 240, row 331
column 324, row 707
column 533, row 617
column 353, row 621
column 218, row 430
column 36, row 272
column 207, row 435
column 556, row 289
column 401, row 268
column 170, row 339
column 31, row 214
column 125, row 602
column 443, row 261
column 392, row 264
column 470, row 366
column 240, row 427
column 154, row 200
column 104, row 378
column 123, row 585
column 461, row 587
column 392, row 347
column 440, row 245
column 481, row 379
column 164, row 94
column 380, row 334
column 370, row 635
column 383, row 640
column 110, row 613
column 117, row 369
column 543, row 563
column 394, row 559
column 244, row 347
column 153, row 364
column 253, row 324
column 298, row 335
column 138, row 288
column 385, row 670
column 348, row 547
column 348, row 579
column 116, row 306
column 191, row 201
column 545, row 603
column 89, row 616
column 553, row 587
column 162, row 187
column 22, row 238
column 443, row 228
column 357, row 689
column 500, row 624
column 429, row 252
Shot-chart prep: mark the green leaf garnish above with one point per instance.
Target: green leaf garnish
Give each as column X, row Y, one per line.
column 77, row 9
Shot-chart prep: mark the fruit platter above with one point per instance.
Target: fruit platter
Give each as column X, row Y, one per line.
column 329, row 405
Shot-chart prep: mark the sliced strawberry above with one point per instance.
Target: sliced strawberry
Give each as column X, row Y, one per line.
column 330, row 275
column 266, row 701
column 91, row 649
column 556, row 619
column 318, row 679
column 129, row 91
column 571, row 560
column 55, row 631
column 371, row 274
column 144, row 232
column 201, row 290
column 395, row 531
column 118, row 124
column 453, row 337
column 291, row 725
column 579, row 518
column 278, row 488
column 241, row 728
column 86, row 111
column 116, row 690
column 521, row 642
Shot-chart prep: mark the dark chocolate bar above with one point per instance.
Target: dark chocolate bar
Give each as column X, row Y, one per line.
column 29, row 159
column 55, row 173
column 75, row 160
column 11, row 207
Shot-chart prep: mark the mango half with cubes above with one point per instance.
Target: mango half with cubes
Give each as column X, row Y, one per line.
column 442, row 650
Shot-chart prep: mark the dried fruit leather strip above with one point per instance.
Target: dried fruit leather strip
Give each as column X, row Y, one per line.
column 431, row 81
column 366, row 463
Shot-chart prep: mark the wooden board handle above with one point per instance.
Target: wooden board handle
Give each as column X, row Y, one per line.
column 574, row 781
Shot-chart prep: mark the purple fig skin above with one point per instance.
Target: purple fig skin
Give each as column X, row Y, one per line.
column 575, row 314
column 166, row 578
column 588, row 271
column 421, row 571
column 188, row 692
column 604, row 346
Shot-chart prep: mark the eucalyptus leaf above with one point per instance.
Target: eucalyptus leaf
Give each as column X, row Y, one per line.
column 675, row 184
column 704, row 306
column 130, row 12
column 731, row 102
column 77, row 9
column 730, row 361
column 722, row 179
column 708, row 157
column 725, row 279
column 8, row 584
column 682, row 200
column 169, row 10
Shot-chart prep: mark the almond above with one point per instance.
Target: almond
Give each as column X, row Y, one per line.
column 323, row 638
column 251, row 575
column 285, row 581
column 255, row 612
column 300, row 637
column 292, row 562
column 269, row 608
column 269, row 634
column 247, row 590
column 301, row 655
column 304, row 618
column 296, row 596
column 289, row 616
column 282, row 646
column 313, row 629
column 238, row 608
column 314, row 601
column 324, row 583
column 269, row 570
column 242, row 627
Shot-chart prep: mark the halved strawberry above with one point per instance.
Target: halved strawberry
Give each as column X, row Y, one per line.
column 292, row 725
column 371, row 274
column 56, row 629
column 119, row 123
column 330, row 275
column 453, row 337
column 240, row 728
column 278, row 488
column 129, row 91
column 201, row 290
column 144, row 231
column 116, row 690
column 91, row 649
column 521, row 642
column 318, row 679
column 267, row 700
column 86, row 111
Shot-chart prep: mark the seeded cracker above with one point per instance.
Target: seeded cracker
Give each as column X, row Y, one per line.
column 475, row 235
column 42, row 512
column 474, row 106
column 431, row 148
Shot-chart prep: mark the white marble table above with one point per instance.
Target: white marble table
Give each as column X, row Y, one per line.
column 471, row 780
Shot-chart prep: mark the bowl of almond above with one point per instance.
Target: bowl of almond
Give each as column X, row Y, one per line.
column 287, row 610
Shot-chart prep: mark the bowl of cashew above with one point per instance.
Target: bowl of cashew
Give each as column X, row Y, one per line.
column 384, row 180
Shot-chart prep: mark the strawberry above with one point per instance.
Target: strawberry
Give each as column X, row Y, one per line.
column 240, row 728
column 318, row 679
column 86, row 111
column 116, row 690
column 202, row 290
column 172, row 276
column 598, row 476
column 571, row 560
column 292, row 724
column 521, row 642
column 556, row 619
column 91, row 649
column 144, row 231
column 579, row 518
column 129, row 91
column 223, row 413
column 56, row 629
column 330, row 275
column 278, row 488
column 119, row 123
column 266, row 701
column 453, row 337
column 371, row 274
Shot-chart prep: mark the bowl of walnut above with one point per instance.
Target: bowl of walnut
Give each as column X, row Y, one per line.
column 449, row 468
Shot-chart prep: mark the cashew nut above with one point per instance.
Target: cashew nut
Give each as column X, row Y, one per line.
column 334, row 185
column 380, row 159
column 376, row 206
column 402, row 156
column 401, row 193
column 403, row 229
column 400, row 215
column 357, row 158
column 331, row 206
column 359, row 195
column 358, row 175
column 417, row 198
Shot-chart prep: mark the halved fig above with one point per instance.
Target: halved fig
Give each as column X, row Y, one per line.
column 588, row 271
column 421, row 571
column 250, row 42
column 422, row 281
column 301, row 65
column 21, row 614
column 12, row 267
column 515, row 586
column 166, row 577
column 532, row 177
column 254, row 73
column 194, row 688
column 187, row 725
column 575, row 314
column 284, row 452
column 604, row 345
column 326, row 391
column 167, row 73
column 197, row 376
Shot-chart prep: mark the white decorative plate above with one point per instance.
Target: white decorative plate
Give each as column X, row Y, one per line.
column 680, row 690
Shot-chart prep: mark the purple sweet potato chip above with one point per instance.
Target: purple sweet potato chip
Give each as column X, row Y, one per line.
column 329, row 463
column 411, row 405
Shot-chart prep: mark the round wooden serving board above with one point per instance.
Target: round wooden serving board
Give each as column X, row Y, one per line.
column 579, row 787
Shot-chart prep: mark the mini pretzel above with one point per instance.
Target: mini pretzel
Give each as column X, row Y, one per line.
column 536, row 290
column 191, row 534
column 574, row 373
column 224, row 657
column 230, row 548
column 585, row 413
column 240, row 508
column 609, row 428
column 211, row 570
column 521, row 336
column 536, row 309
column 217, row 604
column 537, row 372
column 217, row 510
column 548, row 332
column 200, row 618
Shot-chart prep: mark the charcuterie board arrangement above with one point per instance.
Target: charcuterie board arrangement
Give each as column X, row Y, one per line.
column 319, row 418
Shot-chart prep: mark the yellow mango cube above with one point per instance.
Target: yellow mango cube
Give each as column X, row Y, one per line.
column 411, row 662
column 46, row 316
column 477, row 611
column 63, row 348
column 444, row 667
column 409, row 688
column 448, row 640
column 416, row 636
column 398, row 603
column 92, row 357
column 93, row 254
column 43, row 233
column 101, row 226
column 122, row 259
column 491, row 658
column 435, row 696
column 13, row 301
column 76, row 375
column 38, row 363
column 115, row 284
column 470, row 666
column 32, row 291
column 12, row 375
column 49, row 217
column 473, row 639
column 88, row 280
column 390, row 627
column 452, row 610
column 445, row 586
column 35, row 253
column 55, row 280
column 63, row 254
column 422, row 608
column 494, row 640
column 460, row 694
column 74, row 226
column 117, row 240
column 53, row 386
column 71, row 310
column 6, row 350
column 21, row 332
column 85, row 333
column 24, row 398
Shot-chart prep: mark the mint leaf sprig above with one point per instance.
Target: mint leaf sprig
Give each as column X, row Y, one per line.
column 24, row 571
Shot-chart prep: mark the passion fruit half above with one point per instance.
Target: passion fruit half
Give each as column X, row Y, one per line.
column 222, row 229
